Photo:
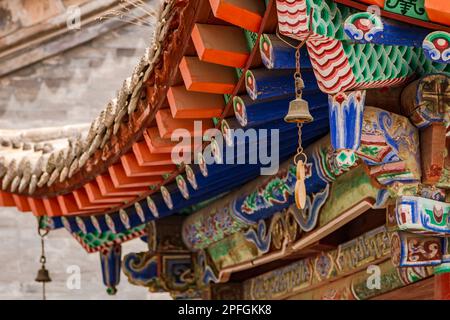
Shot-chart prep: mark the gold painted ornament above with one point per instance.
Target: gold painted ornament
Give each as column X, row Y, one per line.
column 301, row 171
column 300, row 188
column 300, row 194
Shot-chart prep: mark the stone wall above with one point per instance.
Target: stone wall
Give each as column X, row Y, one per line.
column 19, row 260
column 71, row 87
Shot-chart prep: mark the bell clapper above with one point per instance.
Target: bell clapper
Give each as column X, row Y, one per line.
column 300, row 161
column 43, row 274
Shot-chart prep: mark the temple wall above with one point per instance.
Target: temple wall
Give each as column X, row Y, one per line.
column 19, row 257
column 71, row 87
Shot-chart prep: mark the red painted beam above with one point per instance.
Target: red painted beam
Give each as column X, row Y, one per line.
column 83, row 202
column 224, row 45
column 168, row 125
column 156, row 144
column 37, row 206
column 108, row 189
column 207, row 77
column 246, row 14
column 6, row 199
column 121, row 180
column 52, row 207
column 21, row 203
column 145, row 158
column 95, row 196
column 194, row 105
column 68, row 205
column 133, row 169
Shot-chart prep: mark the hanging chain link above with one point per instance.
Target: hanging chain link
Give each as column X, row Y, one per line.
column 42, row 234
column 299, row 84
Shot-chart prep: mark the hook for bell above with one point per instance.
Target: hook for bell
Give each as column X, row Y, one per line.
column 298, row 111
column 43, row 275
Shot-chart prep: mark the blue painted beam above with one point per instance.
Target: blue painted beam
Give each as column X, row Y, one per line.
column 365, row 27
column 178, row 200
column 276, row 54
column 251, row 113
column 263, row 84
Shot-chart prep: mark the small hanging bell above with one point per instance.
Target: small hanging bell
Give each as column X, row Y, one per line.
column 43, row 275
column 298, row 111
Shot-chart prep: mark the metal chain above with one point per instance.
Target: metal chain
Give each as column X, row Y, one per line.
column 299, row 85
column 42, row 233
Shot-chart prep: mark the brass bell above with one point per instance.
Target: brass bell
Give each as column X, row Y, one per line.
column 298, row 111
column 43, row 275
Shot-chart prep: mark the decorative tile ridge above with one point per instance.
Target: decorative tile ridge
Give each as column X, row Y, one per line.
column 121, row 123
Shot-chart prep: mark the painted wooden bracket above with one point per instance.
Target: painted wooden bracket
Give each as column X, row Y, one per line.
column 157, row 144
column 411, row 250
column 422, row 215
column 263, row 84
column 145, row 158
column 108, row 189
column 244, row 14
column 95, row 196
column 133, row 169
column 121, row 180
column 6, row 199
column 276, row 54
column 111, row 263
column 37, row 206
column 207, row 77
column 367, row 27
column 427, row 103
column 168, row 125
column 438, row 11
column 224, row 45
column 346, row 118
column 194, row 105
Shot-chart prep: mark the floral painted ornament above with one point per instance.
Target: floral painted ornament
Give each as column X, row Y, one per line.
column 152, row 206
column 167, row 197
column 81, row 224
column 323, row 265
column 250, row 85
column 139, row 211
column 96, row 224
column 363, row 27
column 182, row 186
column 191, row 177
column 216, row 151
column 240, row 111
column 124, row 218
column 266, row 49
column 110, row 223
column 436, row 46
column 47, row 223
column 227, row 133
column 202, row 164
column 66, row 224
